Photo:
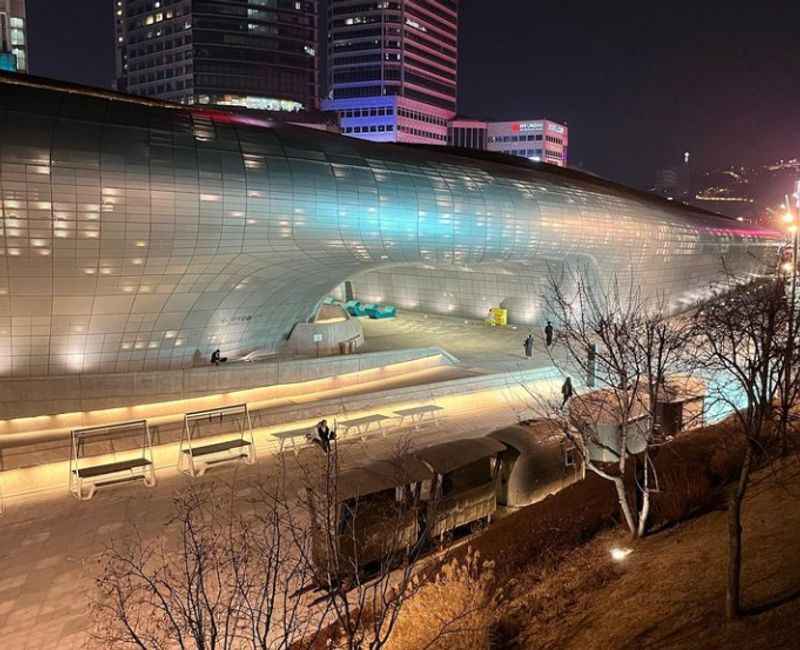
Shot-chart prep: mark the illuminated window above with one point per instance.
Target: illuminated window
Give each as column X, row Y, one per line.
column 21, row 58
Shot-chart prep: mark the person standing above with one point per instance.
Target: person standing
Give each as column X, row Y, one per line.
column 529, row 346
column 548, row 334
column 566, row 391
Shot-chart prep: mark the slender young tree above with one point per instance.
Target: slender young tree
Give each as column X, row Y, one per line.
column 742, row 340
column 624, row 346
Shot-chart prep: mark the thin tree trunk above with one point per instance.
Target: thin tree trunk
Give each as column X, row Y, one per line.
column 619, row 483
column 645, row 511
column 733, row 596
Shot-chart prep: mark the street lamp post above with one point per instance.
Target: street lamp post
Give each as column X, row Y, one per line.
column 794, row 239
column 792, row 222
column 789, row 218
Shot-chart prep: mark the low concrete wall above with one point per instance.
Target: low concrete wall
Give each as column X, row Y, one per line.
column 32, row 398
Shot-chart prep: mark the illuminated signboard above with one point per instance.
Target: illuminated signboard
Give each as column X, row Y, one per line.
column 555, row 127
column 528, row 126
column 521, row 127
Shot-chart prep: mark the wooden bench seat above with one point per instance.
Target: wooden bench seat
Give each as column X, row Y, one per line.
column 111, row 468
column 217, row 447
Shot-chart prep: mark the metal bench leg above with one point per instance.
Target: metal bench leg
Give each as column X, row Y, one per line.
column 86, row 496
column 181, row 462
column 150, row 477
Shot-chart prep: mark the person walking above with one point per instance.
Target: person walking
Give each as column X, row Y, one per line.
column 566, row 391
column 548, row 334
column 529, row 346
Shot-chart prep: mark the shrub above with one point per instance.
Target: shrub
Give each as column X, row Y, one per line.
column 685, row 489
column 454, row 610
column 726, row 460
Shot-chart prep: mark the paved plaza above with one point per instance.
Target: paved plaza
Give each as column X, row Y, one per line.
column 476, row 345
column 49, row 542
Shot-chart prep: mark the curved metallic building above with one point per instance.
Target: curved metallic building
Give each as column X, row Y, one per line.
column 141, row 235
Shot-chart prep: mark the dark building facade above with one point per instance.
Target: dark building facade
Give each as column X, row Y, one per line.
column 393, row 68
column 468, row 133
column 259, row 54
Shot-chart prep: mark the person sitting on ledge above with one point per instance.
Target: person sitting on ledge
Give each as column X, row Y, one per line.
column 217, row 358
column 324, row 435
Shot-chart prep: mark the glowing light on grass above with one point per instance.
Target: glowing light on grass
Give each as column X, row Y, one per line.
column 619, row 554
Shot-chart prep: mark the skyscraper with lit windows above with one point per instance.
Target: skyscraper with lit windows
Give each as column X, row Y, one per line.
column 393, row 68
column 259, row 54
column 13, row 36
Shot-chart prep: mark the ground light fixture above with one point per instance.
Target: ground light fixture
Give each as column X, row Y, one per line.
column 619, row 554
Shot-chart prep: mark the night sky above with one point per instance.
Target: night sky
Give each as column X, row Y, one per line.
column 638, row 83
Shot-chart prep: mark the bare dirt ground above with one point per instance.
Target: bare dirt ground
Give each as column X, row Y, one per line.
column 669, row 593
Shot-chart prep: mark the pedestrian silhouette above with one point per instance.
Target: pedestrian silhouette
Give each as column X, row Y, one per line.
column 566, row 391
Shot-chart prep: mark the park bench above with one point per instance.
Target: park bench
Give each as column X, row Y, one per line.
column 113, row 464
column 291, row 437
column 418, row 417
column 201, row 445
column 363, row 425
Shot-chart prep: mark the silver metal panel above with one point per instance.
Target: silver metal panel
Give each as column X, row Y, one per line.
column 139, row 236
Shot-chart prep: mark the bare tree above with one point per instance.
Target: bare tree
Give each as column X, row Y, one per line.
column 742, row 339
column 219, row 576
column 272, row 571
column 367, row 534
column 625, row 346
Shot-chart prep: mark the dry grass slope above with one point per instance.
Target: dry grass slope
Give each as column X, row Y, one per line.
column 670, row 592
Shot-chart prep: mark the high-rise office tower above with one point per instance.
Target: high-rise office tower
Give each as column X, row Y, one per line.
column 13, row 36
column 259, row 54
column 392, row 68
